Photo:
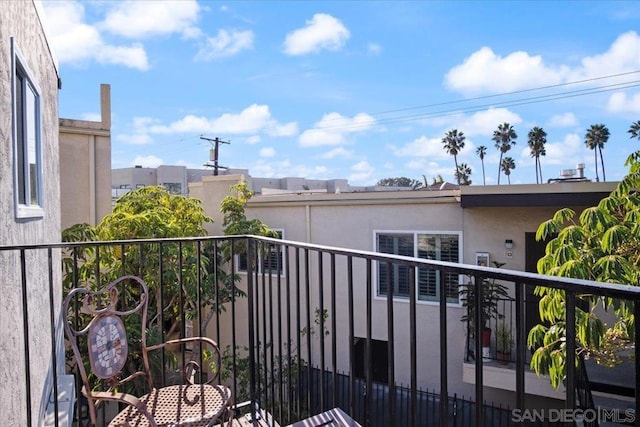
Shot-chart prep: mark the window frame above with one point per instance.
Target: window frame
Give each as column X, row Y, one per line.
column 21, row 149
column 415, row 235
column 261, row 262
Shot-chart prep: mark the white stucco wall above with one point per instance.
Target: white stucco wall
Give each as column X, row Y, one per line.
column 22, row 21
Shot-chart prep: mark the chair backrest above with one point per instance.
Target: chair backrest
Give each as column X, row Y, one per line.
column 96, row 325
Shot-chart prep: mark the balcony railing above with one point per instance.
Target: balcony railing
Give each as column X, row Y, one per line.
column 286, row 314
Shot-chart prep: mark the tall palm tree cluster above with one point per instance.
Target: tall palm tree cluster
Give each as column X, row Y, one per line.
column 505, row 137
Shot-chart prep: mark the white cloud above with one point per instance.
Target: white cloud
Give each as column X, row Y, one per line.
column 77, row 42
column 563, row 120
column 150, row 161
column 563, row 152
column 361, row 172
column 619, row 103
column 374, row 49
column 332, row 129
column 250, row 120
column 338, row 152
column 287, row 129
column 486, row 72
column 140, row 19
column 322, row 32
column 486, row 121
column 224, row 44
column 267, row 152
column 422, row 147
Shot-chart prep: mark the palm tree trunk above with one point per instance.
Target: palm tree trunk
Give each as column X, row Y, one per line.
column 499, row 167
column 595, row 155
column 536, row 166
column 540, row 168
column 604, row 177
column 455, row 160
column 484, row 181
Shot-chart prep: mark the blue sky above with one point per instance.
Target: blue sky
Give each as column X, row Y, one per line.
column 358, row 90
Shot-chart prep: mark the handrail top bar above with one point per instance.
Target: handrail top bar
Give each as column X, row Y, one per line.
column 569, row 284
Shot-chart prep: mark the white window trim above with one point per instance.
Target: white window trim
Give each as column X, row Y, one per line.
column 415, row 233
column 23, row 211
column 275, row 273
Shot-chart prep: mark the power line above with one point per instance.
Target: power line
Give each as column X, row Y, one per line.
column 472, row 109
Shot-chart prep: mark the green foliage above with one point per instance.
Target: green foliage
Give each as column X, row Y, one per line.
column 492, row 292
column 603, row 244
column 504, row 338
column 402, row 181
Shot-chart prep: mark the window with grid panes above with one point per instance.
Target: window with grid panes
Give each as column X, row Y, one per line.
column 441, row 247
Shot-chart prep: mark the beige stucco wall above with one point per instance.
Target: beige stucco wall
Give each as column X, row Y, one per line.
column 23, row 21
column 349, row 220
column 85, row 166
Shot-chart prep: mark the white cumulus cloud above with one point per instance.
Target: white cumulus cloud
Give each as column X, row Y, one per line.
column 225, row 44
column 267, row 152
column 333, row 128
column 322, row 32
column 620, row 103
column 361, row 172
column 563, row 120
column 76, row 42
column 484, row 71
column 140, row 19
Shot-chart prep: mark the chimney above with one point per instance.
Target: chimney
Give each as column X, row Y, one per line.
column 580, row 168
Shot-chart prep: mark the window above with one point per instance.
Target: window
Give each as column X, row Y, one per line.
column 435, row 246
column 27, row 138
column 271, row 260
column 173, row 187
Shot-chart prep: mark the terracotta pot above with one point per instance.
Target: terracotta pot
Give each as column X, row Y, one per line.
column 503, row 358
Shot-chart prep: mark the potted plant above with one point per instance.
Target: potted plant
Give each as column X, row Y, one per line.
column 504, row 341
column 492, row 293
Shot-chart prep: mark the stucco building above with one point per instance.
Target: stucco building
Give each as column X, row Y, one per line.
column 30, row 209
column 468, row 225
column 85, row 166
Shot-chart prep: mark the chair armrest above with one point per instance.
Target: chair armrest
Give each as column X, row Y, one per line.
column 192, row 364
column 124, row 398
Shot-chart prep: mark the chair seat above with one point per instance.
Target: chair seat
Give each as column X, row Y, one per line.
column 179, row 405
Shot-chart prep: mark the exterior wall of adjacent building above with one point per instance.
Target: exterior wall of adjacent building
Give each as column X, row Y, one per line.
column 23, row 22
column 85, row 166
column 352, row 220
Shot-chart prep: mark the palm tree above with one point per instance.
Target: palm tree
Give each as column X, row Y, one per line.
column 634, row 130
column 481, row 151
column 537, row 140
column 454, row 142
column 595, row 138
column 463, row 174
column 504, row 138
column 508, row 164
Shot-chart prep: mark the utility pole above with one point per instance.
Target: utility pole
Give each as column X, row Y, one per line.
column 213, row 153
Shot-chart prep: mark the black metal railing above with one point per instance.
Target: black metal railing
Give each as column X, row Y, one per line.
column 282, row 309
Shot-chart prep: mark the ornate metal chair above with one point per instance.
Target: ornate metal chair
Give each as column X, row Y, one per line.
column 107, row 350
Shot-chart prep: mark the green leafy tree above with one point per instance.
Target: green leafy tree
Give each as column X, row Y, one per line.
column 463, row 174
column 507, row 165
column 634, row 130
column 537, row 140
column 481, row 151
column 453, row 142
column 602, row 244
column 594, row 139
column 402, row 181
column 504, row 137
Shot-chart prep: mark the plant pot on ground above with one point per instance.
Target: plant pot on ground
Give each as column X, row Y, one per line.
column 492, row 292
column 504, row 342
